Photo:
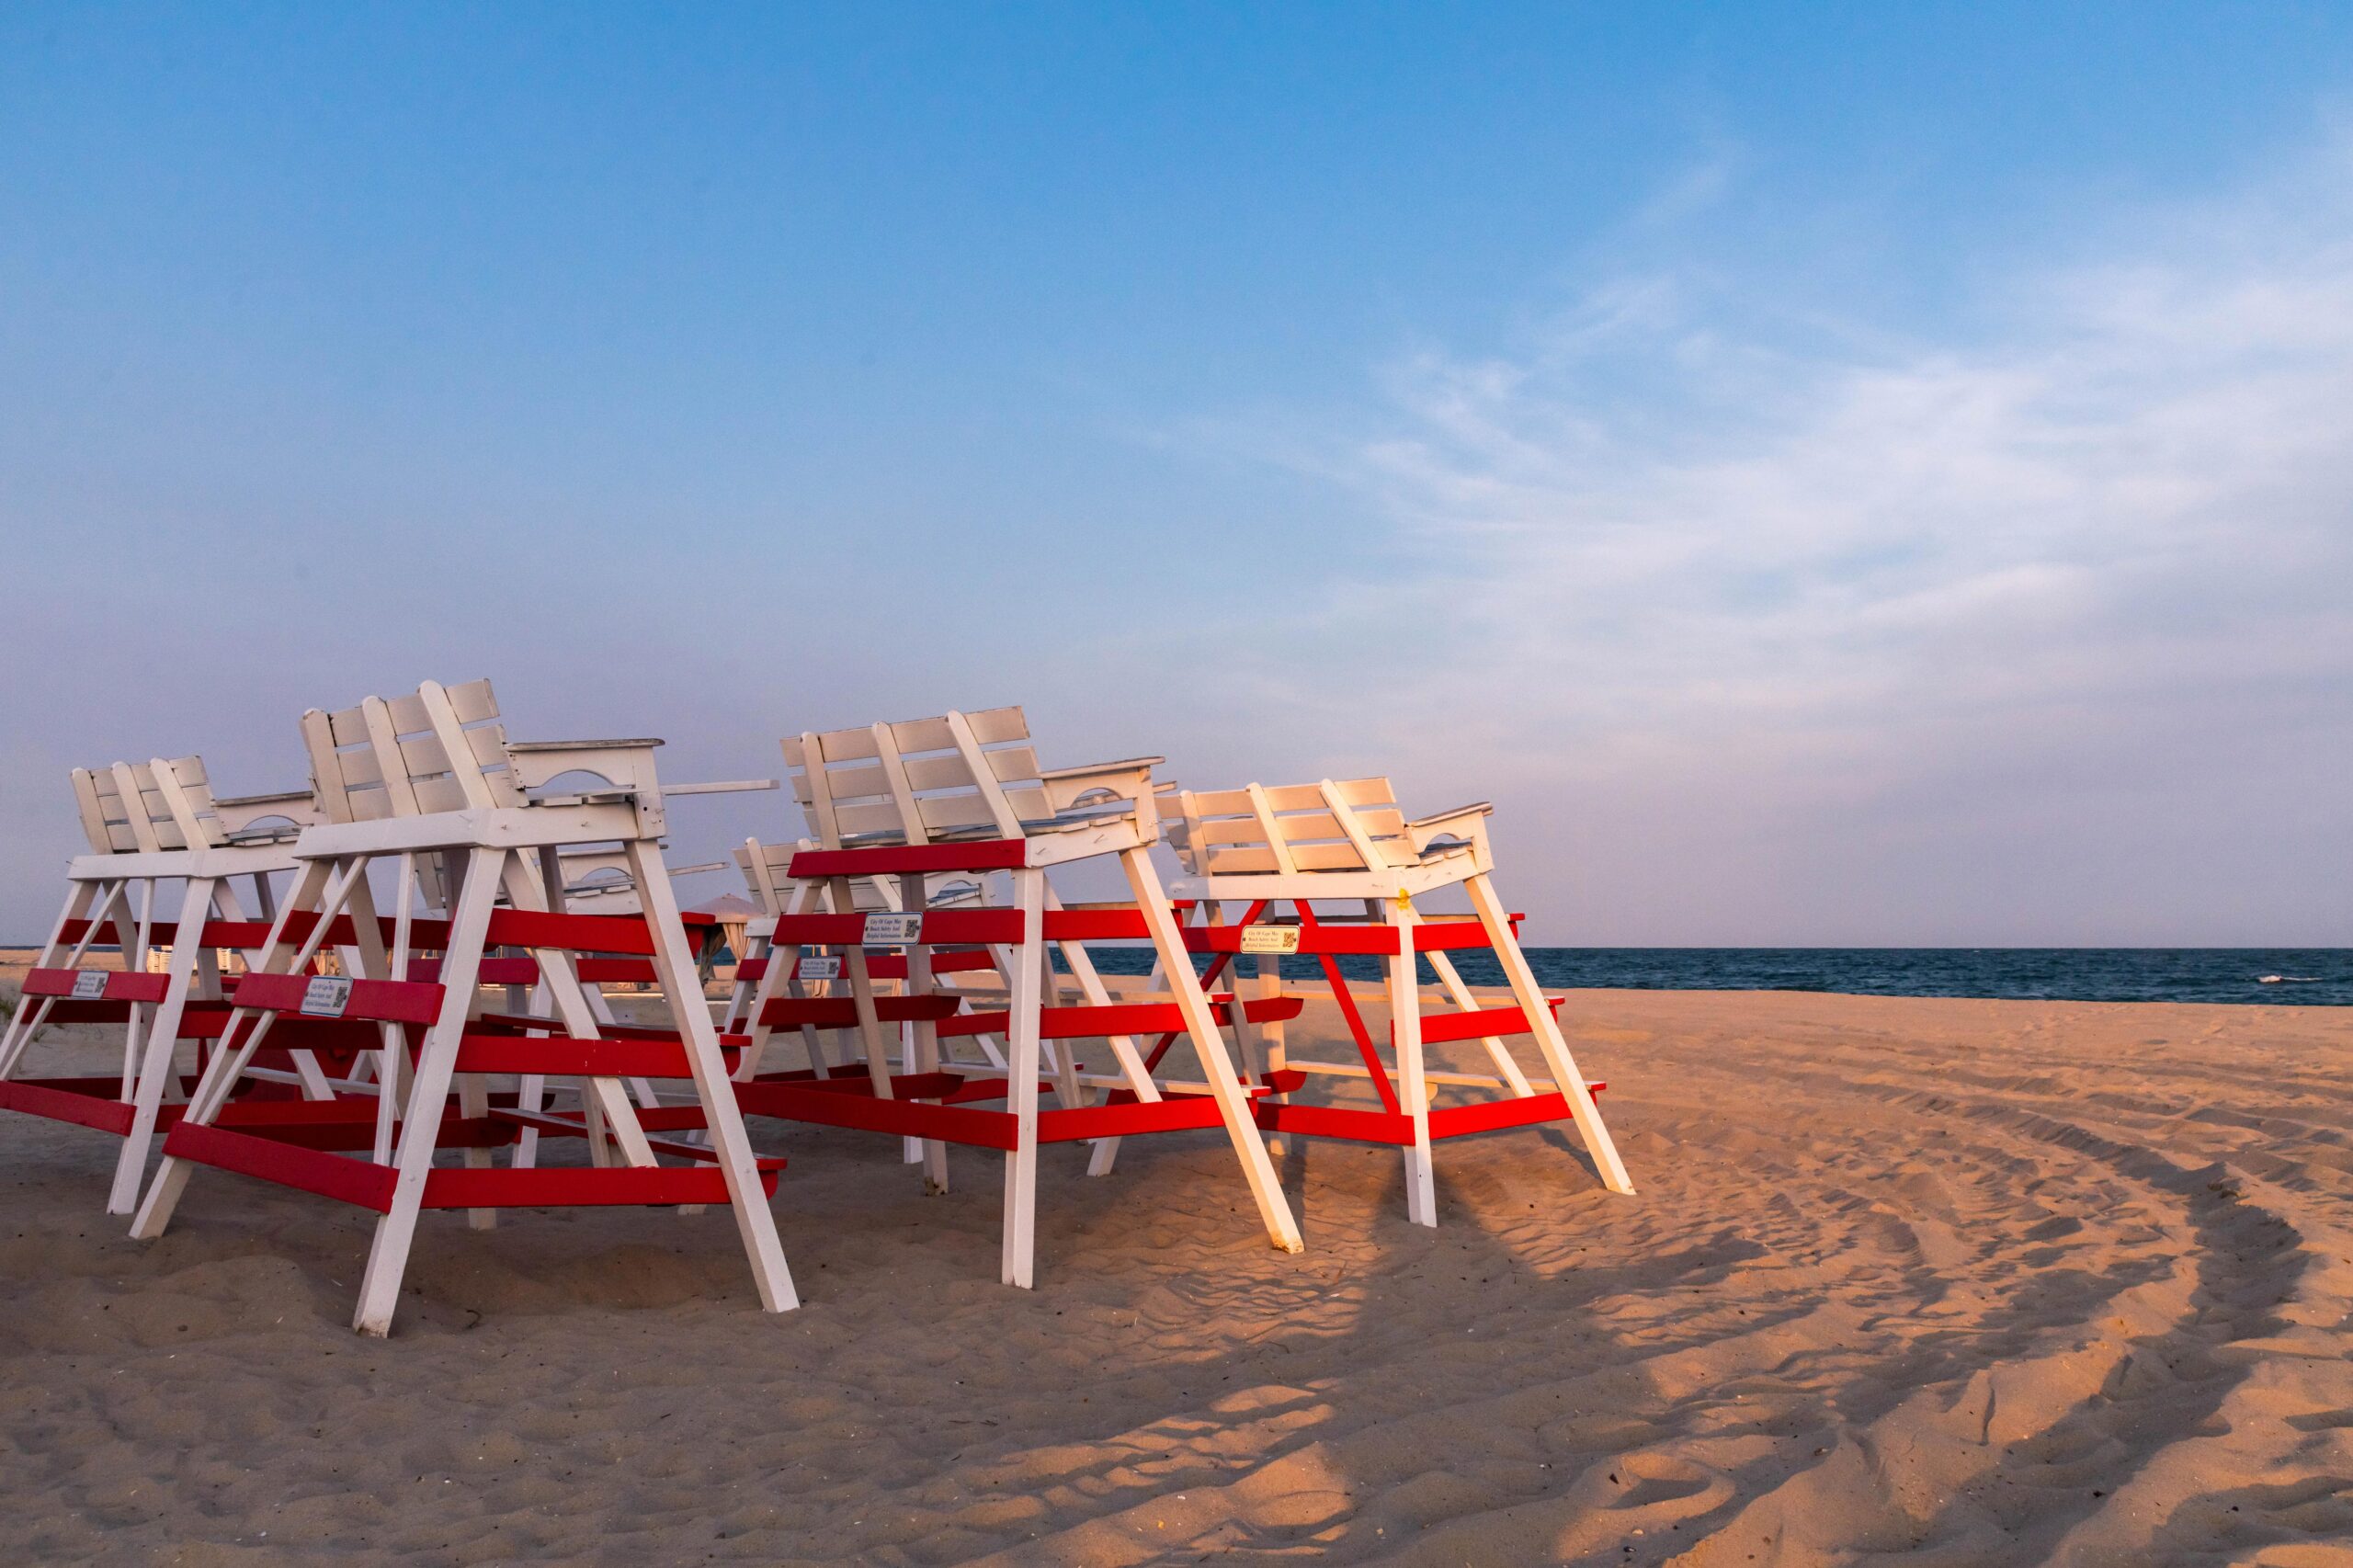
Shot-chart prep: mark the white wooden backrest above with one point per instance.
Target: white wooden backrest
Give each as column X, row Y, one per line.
column 912, row 782
column 1350, row 825
column 391, row 757
column 135, row 807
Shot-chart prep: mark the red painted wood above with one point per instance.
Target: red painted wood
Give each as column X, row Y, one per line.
column 235, row 933
column 1356, row 938
column 1440, row 1029
column 592, row 1187
column 65, row 1010
column 841, row 1012
column 1357, row 1031
column 1096, row 925
column 492, row 971
column 121, row 986
column 292, row 1031
column 653, row 1118
column 972, row 855
column 903, row 1085
column 67, row 1099
column 296, row 924
column 1176, row 1114
column 1487, row 1116
column 1334, row 1121
column 1120, row 1018
column 559, row 1057
column 384, row 1001
column 354, row 1130
column 1217, row 966
column 880, row 966
column 572, row 933
column 953, row 927
column 358, row 1182
column 572, row 1127
column 913, row 1118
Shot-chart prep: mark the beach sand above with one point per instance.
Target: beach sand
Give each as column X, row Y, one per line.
column 1919, row 1282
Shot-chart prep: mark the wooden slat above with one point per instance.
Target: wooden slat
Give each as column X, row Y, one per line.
column 996, row 726
column 1177, row 1113
column 946, row 813
column 67, row 1100
column 973, row 855
column 570, row 933
column 1488, row 1116
column 1488, row 1023
column 384, row 1001
column 1096, row 1022
column 121, row 985
column 559, row 1056
column 1345, row 1122
column 911, row 1119
column 610, row 1186
column 358, row 1182
column 841, row 1012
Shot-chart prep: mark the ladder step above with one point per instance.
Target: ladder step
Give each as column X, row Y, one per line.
column 559, row 1056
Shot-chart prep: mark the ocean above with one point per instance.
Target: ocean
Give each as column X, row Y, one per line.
column 2302, row 976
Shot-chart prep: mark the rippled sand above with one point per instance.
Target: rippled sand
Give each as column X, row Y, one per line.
column 1929, row 1282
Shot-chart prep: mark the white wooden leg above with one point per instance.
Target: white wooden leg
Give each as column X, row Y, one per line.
column 134, row 958
column 314, row 887
column 732, row 1146
column 924, row 1038
column 163, row 1042
column 1549, row 1038
column 380, row 1287
column 1271, row 1036
column 1413, row 1089
column 1240, row 1126
column 1019, row 1263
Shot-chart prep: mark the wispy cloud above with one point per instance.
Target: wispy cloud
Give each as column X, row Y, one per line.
column 2039, row 634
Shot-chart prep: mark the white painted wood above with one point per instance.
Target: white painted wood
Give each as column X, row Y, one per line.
column 1234, row 1102
column 1346, row 840
column 1019, row 1263
column 674, row 965
column 396, row 1230
column 1413, row 1089
column 1550, row 1041
column 162, row 1039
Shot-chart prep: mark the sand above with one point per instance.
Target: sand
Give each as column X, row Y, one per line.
column 1930, row 1282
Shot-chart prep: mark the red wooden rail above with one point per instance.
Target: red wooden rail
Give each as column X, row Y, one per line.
column 950, row 927
column 118, row 986
column 384, row 1001
column 1120, row 1018
column 841, row 1012
column 896, row 859
column 370, row 1186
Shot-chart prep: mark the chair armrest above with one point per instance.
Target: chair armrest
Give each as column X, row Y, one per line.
column 731, row 787
column 624, row 764
column 237, row 813
column 1130, row 779
column 1466, row 822
column 1130, row 765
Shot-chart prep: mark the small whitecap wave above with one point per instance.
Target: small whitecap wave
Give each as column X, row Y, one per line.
column 2287, row 979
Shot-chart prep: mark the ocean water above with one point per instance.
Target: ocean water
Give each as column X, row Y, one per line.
column 2301, row 976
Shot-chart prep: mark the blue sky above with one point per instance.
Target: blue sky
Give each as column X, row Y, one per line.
column 1831, row 474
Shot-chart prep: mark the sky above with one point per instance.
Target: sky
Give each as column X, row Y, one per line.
column 1830, row 474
